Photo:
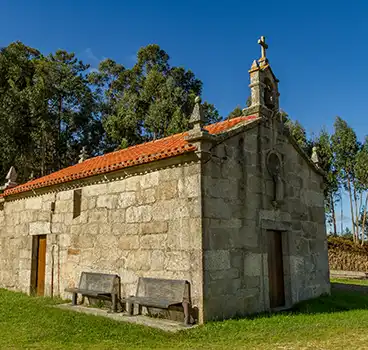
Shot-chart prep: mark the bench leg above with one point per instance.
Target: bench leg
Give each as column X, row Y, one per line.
column 130, row 308
column 74, row 299
column 139, row 309
column 186, row 313
column 114, row 303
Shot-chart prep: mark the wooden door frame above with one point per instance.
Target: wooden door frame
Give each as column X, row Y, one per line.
column 34, row 263
column 280, row 239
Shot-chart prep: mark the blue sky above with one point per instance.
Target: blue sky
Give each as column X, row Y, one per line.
column 317, row 49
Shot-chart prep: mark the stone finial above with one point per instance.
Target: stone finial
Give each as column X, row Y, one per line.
column 254, row 65
column 11, row 178
column 83, row 155
column 197, row 119
column 314, row 157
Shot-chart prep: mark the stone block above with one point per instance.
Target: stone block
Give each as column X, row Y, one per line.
column 75, row 229
column 138, row 214
column 189, row 187
column 317, row 214
column 155, row 241
column 127, row 199
column 221, row 188
column 128, row 242
column 64, row 195
column 223, row 287
column 309, row 229
column 216, row 260
column 184, row 234
column 149, row 180
column 97, row 216
column 154, row 227
column 63, row 206
column 177, row 261
column 39, row 228
column 138, row 260
column 91, row 229
column 107, row 201
column 116, row 216
column 216, row 208
column 157, row 260
column 251, row 282
column 84, row 241
column 132, row 183
column 167, row 190
column 231, row 273
column 170, row 209
column 117, row 186
column 231, row 169
column 146, row 196
column 170, row 174
column 43, row 216
column 128, row 276
column 252, row 264
column 94, row 190
column 34, row 203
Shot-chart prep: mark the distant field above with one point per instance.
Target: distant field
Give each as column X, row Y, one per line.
column 336, row 322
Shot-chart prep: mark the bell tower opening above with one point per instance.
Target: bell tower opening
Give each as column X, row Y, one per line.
column 264, row 98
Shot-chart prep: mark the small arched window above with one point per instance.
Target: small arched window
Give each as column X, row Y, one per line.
column 269, row 94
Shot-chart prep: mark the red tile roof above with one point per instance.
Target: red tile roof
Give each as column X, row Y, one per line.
column 135, row 155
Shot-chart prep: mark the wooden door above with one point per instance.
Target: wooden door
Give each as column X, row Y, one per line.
column 276, row 269
column 41, row 265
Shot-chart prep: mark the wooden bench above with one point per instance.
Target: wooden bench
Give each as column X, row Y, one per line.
column 99, row 286
column 161, row 294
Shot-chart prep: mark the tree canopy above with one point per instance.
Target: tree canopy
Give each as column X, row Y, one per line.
column 51, row 106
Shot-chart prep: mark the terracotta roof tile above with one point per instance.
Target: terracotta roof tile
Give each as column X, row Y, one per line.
column 135, row 155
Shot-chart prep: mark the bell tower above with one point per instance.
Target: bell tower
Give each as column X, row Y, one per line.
column 264, row 99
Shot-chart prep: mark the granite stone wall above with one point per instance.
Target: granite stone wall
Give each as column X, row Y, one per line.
column 144, row 225
column 238, row 214
column 207, row 222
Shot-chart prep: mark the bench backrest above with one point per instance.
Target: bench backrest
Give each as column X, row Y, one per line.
column 100, row 282
column 176, row 291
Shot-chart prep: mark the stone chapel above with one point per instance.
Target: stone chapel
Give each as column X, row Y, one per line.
column 236, row 208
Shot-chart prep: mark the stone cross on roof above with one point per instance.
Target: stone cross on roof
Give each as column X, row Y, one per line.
column 264, row 46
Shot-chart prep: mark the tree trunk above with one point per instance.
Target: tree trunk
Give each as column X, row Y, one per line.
column 356, row 213
column 364, row 218
column 351, row 208
column 333, row 214
column 341, row 212
column 58, row 150
column 357, row 216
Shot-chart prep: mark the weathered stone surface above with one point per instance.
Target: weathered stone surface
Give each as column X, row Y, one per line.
column 138, row 214
column 34, row 203
column 97, row 216
column 127, row 199
column 155, row 241
column 116, row 186
column 252, row 264
column 177, row 261
column 39, row 228
column 94, row 190
column 216, row 260
column 128, row 242
column 106, row 201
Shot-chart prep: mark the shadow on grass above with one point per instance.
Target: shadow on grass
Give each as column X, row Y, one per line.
column 344, row 297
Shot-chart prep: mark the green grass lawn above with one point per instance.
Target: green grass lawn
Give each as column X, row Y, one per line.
column 339, row 321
